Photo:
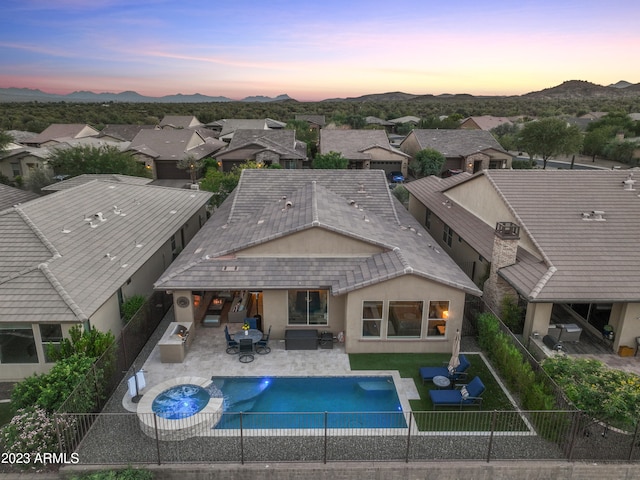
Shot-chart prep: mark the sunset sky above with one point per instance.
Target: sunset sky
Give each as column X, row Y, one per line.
column 314, row 50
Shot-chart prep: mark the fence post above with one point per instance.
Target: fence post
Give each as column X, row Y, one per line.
column 406, row 458
column 325, row 437
column 494, row 415
column 634, row 441
column 155, row 426
column 574, row 433
column 241, row 442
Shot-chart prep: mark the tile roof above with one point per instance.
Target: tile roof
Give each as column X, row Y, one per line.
column 59, row 130
column 282, row 142
column 10, row 196
column 172, row 144
column 316, row 119
column 579, row 258
column 90, row 177
column 352, row 144
column 54, row 265
column 180, row 121
column 487, row 122
column 353, row 204
column 125, row 133
column 456, row 143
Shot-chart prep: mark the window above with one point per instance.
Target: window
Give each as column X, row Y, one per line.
column 17, row 344
column 447, row 235
column 51, row 337
column 405, row 319
column 371, row 318
column 438, row 316
column 427, row 221
column 308, row 307
column 15, row 169
column 290, row 164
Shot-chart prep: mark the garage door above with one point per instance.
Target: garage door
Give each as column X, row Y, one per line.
column 167, row 170
column 386, row 166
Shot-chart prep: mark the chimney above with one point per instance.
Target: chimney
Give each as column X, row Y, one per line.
column 505, row 249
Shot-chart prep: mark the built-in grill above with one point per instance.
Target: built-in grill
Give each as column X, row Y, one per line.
column 182, row 332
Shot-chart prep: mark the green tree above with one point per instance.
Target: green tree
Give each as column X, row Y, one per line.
column 331, row 160
column 427, row 162
column 192, row 165
column 549, row 137
column 305, row 134
column 39, row 177
column 596, row 140
column 92, row 343
column 90, row 159
column 5, row 140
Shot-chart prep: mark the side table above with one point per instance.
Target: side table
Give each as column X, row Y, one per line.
column 441, row 381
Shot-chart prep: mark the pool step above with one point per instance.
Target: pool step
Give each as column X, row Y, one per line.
column 376, row 386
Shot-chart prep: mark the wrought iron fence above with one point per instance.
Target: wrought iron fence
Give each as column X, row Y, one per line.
column 127, row 438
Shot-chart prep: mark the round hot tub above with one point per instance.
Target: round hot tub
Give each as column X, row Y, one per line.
column 180, row 408
column 180, row 401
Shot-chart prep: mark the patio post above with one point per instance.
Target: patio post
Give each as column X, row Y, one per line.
column 494, row 415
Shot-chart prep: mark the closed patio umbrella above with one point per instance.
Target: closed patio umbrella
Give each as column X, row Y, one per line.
column 455, row 360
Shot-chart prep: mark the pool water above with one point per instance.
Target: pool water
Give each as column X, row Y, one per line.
column 301, row 402
column 180, row 401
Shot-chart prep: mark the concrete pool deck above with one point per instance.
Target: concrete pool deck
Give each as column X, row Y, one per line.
column 207, row 357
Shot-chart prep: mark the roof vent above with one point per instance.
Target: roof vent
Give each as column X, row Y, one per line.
column 92, row 225
column 594, row 215
column 100, row 216
column 362, row 189
column 230, row 268
column 628, row 183
column 110, row 257
column 65, row 230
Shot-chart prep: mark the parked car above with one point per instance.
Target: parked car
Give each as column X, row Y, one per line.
column 395, row 177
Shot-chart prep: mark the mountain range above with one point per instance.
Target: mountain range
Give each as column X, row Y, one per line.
column 569, row 89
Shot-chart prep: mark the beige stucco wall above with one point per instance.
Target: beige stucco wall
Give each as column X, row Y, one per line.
column 407, row 287
column 315, row 242
column 481, row 199
column 626, row 325
column 27, row 162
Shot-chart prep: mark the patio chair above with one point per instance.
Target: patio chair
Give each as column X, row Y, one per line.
column 232, row 345
column 463, row 396
column 252, row 322
column 246, row 350
column 427, row 373
column 262, row 346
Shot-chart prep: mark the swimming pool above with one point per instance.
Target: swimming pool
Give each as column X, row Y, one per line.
column 301, row 402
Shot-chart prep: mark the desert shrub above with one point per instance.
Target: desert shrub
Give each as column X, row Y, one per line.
column 32, row 433
column 92, row 343
column 127, row 474
column 131, row 306
column 49, row 390
column 601, row 392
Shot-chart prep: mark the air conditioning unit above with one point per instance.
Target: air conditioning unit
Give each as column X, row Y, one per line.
column 195, row 186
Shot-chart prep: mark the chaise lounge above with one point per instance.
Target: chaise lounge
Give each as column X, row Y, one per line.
column 464, row 396
column 427, row 373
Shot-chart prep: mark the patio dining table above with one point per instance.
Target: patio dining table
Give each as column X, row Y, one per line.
column 254, row 334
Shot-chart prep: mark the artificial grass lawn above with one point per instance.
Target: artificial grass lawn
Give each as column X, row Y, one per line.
column 449, row 418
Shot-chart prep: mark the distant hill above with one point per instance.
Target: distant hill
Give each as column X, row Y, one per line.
column 572, row 89
column 582, row 89
column 30, row 95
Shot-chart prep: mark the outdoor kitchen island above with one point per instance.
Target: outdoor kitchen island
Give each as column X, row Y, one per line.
column 175, row 342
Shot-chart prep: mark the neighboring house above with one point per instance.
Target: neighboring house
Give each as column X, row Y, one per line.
column 563, row 242
column 73, row 257
column 484, row 122
column 594, row 115
column 409, row 119
column 365, row 149
column 379, row 121
column 61, row 130
column 122, row 133
column 315, row 121
column 328, row 250
column 228, row 126
column 20, row 161
column 266, row 147
column 180, row 121
column 161, row 150
column 90, row 177
column 466, row 150
column 10, row 196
